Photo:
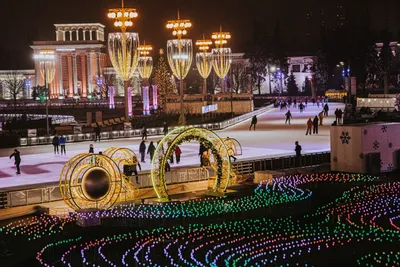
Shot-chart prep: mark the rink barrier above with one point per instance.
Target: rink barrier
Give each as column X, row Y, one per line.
column 50, row 193
column 71, row 138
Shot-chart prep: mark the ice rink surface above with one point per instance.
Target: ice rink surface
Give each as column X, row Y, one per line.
column 271, row 138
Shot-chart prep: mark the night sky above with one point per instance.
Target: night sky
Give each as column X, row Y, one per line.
column 25, row 21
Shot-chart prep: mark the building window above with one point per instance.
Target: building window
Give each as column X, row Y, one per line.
column 296, row 68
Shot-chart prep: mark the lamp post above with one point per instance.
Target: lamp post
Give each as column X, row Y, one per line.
column 47, row 71
column 180, row 55
column 122, row 48
column 204, row 62
column 145, row 68
column 221, row 55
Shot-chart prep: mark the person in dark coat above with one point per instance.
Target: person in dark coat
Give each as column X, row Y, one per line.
column 151, row 149
column 17, row 160
column 55, row 144
column 142, row 151
column 288, row 116
column 144, row 133
column 202, row 149
column 97, row 131
column 326, row 110
column 91, row 149
column 253, row 122
column 309, row 126
column 165, row 130
column 133, row 168
column 297, row 148
column 315, row 125
column 340, row 116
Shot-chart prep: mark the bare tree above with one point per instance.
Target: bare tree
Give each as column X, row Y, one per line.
column 239, row 78
column 14, row 84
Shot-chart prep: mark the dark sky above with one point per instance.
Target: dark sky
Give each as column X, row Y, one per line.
column 24, row 21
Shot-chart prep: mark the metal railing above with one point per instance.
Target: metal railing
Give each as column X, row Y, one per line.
column 31, row 141
column 55, row 119
column 52, row 193
column 282, row 163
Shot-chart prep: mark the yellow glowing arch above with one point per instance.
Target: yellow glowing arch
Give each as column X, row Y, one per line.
column 187, row 134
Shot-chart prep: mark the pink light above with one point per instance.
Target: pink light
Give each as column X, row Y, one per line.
column 111, row 97
column 146, row 101
column 130, row 101
column 155, row 99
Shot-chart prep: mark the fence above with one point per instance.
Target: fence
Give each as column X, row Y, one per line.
column 31, row 141
column 52, row 193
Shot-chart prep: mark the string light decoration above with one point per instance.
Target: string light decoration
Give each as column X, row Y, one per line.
column 358, row 218
column 204, row 62
column 122, row 49
column 145, row 67
column 221, row 55
column 180, row 55
column 90, row 181
column 187, row 134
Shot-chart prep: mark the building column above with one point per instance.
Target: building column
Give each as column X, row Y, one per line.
column 89, row 74
column 57, row 36
column 64, row 36
column 98, row 64
column 75, row 72
column 37, row 72
column 84, row 87
column 77, row 35
column 90, row 35
column 70, row 36
column 84, row 35
column 60, row 77
column 70, row 79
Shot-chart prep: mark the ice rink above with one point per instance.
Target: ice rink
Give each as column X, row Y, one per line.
column 271, row 138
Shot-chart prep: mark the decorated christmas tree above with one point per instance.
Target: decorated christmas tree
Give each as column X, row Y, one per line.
column 162, row 78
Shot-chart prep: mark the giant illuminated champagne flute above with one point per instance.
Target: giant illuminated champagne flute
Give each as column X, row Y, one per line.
column 204, row 62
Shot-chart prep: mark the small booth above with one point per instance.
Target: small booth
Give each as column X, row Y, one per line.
column 335, row 95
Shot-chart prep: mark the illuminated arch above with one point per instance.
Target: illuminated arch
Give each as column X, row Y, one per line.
column 90, row 181
column 187, row 134
column 122, row 157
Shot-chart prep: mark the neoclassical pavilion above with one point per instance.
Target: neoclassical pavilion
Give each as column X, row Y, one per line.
column 80, row 56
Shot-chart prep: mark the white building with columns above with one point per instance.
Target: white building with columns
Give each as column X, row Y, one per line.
column 80, row 56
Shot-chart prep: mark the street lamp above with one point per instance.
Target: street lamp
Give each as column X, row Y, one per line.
column 145, row 68
column 221, row 55
column 47, row 68
column 204, row 62
column 122, row 48
column 180, row 55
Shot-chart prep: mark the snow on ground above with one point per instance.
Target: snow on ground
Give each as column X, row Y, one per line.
column 271, row 138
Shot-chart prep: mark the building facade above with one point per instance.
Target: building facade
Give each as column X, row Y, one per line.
column 79, row 54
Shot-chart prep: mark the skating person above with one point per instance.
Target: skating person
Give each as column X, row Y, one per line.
column 62, row 140
column 321, row 118
column 165, row 129
column 133, row 168
column 306, row 101
column 231, row 148
column 202, row 149
column 142, row 151
column 326, row 110
column 17, row 160
column 337, row 115
column 97, row 132
column 315, row 125
column 309, row 126
column 171, row 158
column 144, row 133
column 150, row 150
column 301, row 107
column 253, row 122
column 91, row 149
column 317, row 103
column 288, row 116
column 340, row 116
column 295, row 103
column 178, row 153
column 313, row 101
column 297, row 148
column 55, row 144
